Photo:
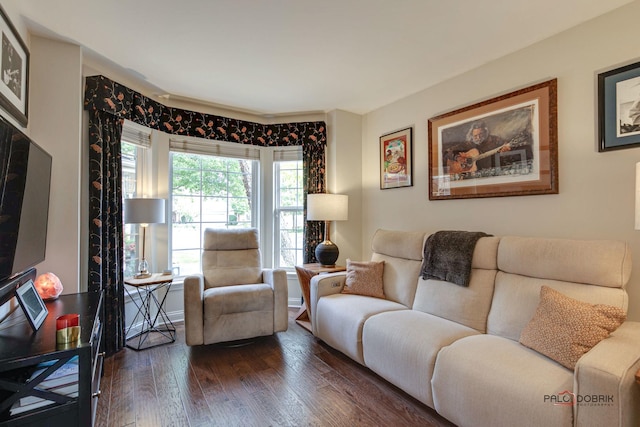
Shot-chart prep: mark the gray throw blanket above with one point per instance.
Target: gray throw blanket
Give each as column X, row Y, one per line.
column 448, row 254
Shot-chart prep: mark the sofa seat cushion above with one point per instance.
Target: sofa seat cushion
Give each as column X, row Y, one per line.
column 401, row 347
column 339, row 320
column 490, row 380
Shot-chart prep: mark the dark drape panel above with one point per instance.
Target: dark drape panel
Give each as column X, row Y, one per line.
column 105, row 223
column 313, row 179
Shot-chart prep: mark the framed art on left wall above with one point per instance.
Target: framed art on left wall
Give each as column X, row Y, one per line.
column 396, row 159
column 14, row 72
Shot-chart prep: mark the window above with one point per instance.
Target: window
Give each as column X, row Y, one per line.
column 134, row 151
column 129, row 189
column 288, row 215
column 213, row 184
column 207, row 191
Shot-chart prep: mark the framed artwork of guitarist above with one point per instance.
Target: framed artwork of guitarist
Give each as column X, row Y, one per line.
column 506, row 146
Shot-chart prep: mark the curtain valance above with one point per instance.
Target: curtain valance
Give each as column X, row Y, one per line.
column 103, row 94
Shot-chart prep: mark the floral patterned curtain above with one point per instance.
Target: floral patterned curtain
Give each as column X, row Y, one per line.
column 115, row 102
column 105, row 225
column 313, row 180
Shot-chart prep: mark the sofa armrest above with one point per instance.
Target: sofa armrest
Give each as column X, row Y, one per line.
column 323, row 285
column 194, row 309
column 607, row 373
column 277, row 279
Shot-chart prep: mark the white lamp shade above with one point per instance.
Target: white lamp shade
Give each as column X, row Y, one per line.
column 327, row 207
column 637, row 196
column 144, row 211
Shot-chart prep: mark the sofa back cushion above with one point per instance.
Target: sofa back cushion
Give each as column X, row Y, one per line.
column 401, row 252
column 593, row 271
column 470, row 305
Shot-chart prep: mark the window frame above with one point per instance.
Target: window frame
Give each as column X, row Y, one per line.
column 140, row 138
column 157, row 182
column 213, row 149
column 278, row 209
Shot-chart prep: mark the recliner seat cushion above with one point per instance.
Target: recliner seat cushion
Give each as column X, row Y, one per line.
column 237, row 312
column 237, row 299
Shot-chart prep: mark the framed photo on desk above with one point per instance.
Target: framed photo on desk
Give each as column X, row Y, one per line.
column 32, row 304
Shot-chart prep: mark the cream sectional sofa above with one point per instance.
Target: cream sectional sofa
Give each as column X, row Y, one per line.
column 457, row 350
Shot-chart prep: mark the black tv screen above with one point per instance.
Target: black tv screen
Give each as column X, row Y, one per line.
column 25, row 176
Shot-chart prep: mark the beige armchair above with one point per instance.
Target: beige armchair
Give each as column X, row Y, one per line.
column 234, row 298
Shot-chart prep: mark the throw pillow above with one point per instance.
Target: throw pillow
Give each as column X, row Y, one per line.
column 364, row 278
column 564, row 329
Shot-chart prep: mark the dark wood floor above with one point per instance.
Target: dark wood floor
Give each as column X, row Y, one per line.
column 290, row 379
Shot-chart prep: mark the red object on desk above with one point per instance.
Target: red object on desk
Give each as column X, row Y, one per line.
column 67, row 328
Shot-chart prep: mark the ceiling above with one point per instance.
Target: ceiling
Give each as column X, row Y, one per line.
column 276, row 57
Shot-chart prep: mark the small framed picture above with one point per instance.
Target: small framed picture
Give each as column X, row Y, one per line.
column 14, row 71
column 396, row 159
column 619, row 108
column 31, row 304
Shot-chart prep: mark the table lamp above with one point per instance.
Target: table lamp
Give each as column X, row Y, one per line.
column 144, row 212
column 327, row 207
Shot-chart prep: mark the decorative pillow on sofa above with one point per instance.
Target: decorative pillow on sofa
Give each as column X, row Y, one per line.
column 564, row 329
column 364, row 278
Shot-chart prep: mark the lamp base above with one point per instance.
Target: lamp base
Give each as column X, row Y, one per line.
column 327, row 253
column 143, row 270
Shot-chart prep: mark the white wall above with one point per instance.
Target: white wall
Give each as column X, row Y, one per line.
column 344, row 176
column 55, row 123
column 596, row 196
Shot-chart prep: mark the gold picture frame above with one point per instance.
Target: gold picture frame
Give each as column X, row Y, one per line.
column 396, row 159
column 505, row 146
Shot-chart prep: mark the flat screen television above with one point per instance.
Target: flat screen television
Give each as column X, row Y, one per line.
column 25, row 179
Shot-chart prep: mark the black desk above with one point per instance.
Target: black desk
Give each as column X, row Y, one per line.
column 21, row 349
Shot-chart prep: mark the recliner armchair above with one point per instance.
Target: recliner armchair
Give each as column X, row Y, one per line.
column 234, row 298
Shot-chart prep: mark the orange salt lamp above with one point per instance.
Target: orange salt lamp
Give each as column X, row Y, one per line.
column 48, row 286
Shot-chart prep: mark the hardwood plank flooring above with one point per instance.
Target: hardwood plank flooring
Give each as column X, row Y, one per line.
column 289, row 379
